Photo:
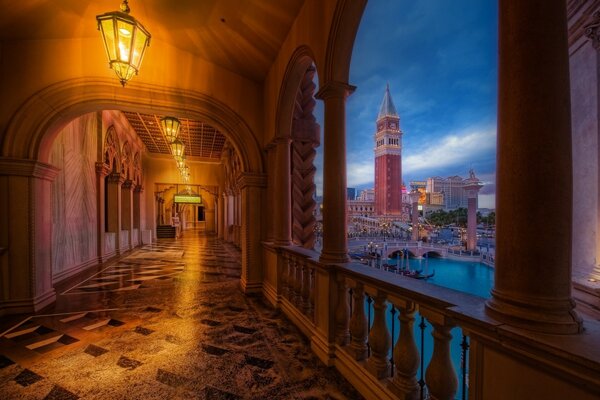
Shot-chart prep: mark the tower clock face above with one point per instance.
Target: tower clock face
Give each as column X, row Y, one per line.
column 392, row 125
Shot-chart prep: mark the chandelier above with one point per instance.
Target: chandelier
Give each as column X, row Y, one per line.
column 170, row 127
column 125, row 41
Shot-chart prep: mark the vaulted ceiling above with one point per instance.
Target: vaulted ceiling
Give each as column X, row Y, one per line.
column 200, row 139
column 243, row 36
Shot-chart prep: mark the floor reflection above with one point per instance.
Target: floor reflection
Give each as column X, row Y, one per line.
column 168, row 321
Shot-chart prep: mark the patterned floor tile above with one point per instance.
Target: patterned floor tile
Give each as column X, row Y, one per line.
column 5, row 361
column 27, row 377
column 258, row 362
column 128, row 363
column 60, row 393
column 95, row 351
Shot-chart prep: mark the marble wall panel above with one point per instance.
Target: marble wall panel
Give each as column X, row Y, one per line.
column 74, row 235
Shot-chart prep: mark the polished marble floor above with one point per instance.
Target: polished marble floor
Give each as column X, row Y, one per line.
column 166, row 322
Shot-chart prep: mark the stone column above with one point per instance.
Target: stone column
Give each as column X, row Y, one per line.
column 113, row 209
column 102, row 170
column 126, row 211
column 25, row 235
column 414, row 200
column 586, row 118
column 532, row 287
column 137, row 213
column 282, row 207
column 220, row 216
column 251, row 203
column 472, row 188
column 271, row 193
column 335, row 242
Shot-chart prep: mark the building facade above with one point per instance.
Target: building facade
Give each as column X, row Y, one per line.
column 451, row 188
column 388, row 159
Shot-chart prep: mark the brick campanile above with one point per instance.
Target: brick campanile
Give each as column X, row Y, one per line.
column 388, row 159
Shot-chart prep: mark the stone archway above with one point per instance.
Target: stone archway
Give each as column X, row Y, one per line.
column 25, row 151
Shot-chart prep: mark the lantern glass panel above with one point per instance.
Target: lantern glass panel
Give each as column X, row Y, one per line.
column 108, row 33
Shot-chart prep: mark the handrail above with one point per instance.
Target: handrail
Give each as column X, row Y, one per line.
column 368, row 355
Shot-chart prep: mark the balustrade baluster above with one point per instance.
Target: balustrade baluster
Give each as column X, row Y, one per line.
column 440, row 376
column 285, row 275
column 358, row 324
column 380, row 340
column 406, row 357
column 298, row 284
column 342, row 313
column 369, row 301
column 306, row 288
column 422, row 326
column 311, row 297
column 291, row 278
column 464, row 360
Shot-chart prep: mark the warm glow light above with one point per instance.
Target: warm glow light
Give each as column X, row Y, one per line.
column 170, row 127
column 125, row 41
column 177, row 148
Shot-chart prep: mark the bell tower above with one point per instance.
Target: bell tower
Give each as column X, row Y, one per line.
column 388, row 159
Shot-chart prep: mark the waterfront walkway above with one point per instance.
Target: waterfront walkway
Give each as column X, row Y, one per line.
column 168, row 321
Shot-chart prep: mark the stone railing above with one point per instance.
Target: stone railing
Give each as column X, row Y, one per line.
column 374, row 328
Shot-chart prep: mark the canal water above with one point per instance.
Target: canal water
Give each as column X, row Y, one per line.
column 470, row 277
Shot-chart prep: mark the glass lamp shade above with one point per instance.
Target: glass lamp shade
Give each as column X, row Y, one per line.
column 125, row 41
column 177, row 148
column 180, row 162
column 170, row 127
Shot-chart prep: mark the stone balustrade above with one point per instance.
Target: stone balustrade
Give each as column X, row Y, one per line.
column 374, row 328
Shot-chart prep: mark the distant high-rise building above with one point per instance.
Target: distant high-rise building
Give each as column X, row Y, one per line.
column 451, row 189
column 366, row 195
column 388, row 159
column 350, row 193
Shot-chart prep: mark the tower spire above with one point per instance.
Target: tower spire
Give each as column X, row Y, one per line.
column 387, row 108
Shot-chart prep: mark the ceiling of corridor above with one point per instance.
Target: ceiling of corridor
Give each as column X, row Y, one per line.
column 241, row 36
column 200, row 139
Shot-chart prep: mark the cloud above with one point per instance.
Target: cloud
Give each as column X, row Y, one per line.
column 458, row 149
column 360, row 173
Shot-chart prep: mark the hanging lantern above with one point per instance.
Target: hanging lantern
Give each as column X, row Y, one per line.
column 180, row 162
column 185, row 171
column 177, row 148
column 125, row 41
column 170, row 127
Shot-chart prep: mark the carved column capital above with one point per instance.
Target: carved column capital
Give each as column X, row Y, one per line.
column 592, row 30
column 127, row 184
column 335, row 89
column 116, row 178
column 139, row 189
column 102, row 169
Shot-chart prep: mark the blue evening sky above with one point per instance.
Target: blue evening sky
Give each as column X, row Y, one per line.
column 440, row 59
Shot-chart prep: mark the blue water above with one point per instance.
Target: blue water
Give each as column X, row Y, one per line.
column 469, row 277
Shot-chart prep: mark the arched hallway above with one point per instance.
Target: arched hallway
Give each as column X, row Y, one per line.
column 166, row 321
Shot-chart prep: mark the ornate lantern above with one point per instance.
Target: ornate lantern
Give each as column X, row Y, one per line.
column 177, row 148
column 170, row 127
column 180, row 162
column 125, row 41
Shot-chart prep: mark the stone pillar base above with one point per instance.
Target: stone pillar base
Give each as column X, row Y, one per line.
column 23, row 306
column 333, row 257
column 552, row 316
